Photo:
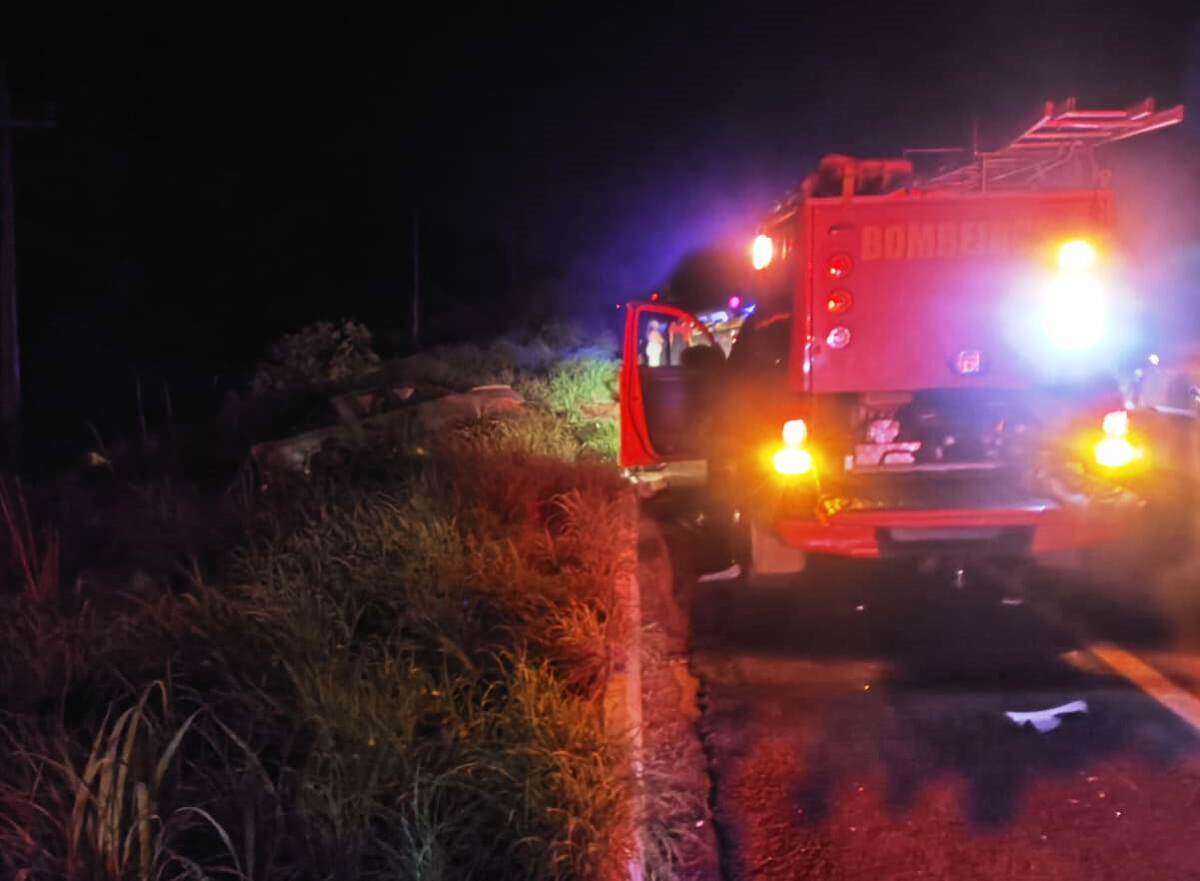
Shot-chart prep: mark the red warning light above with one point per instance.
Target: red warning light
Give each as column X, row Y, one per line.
column 839, row 302
column 839, row 266
column 654, row 297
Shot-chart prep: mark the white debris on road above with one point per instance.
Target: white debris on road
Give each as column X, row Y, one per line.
column 734, row 571
column 1047, row 720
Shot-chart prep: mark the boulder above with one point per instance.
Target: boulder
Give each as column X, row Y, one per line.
column 355, row 406
column 483, row 400
column 295, row 454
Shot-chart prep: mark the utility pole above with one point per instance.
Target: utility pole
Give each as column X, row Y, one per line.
column 10, row 350
column 416, row 284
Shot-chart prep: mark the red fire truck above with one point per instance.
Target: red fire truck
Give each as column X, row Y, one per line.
column 931, row 366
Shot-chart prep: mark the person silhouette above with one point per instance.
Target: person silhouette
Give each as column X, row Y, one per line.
column 655, row 342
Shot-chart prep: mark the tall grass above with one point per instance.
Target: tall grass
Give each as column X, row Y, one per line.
column 442, row 646
column 114, row 812
column 396, row 674
column 577, row 382
column 37, row 558
column 580, row 390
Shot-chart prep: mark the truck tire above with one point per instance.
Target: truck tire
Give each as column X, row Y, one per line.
column 767, row 561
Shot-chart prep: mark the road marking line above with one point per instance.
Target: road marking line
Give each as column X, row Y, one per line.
column 1149, row 680
column 1085, row 662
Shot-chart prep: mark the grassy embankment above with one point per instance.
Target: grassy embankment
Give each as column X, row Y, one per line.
column 395, row 673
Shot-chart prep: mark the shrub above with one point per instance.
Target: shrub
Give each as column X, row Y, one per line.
column 578, row 382
column 318, row 354
column 581, row 392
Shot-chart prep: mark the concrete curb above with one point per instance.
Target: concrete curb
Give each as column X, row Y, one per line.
column 679, row 781
column 623, row 689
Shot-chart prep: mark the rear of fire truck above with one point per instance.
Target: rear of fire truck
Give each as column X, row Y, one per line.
column 931, row 369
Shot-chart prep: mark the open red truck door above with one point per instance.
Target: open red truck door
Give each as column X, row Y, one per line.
column 666, row 375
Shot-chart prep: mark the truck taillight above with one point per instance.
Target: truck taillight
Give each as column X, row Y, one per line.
column 795, row 433
column 839, row 302
column 1116, row 423
column 839, row 266
column 792, row 459
column 1115, row 450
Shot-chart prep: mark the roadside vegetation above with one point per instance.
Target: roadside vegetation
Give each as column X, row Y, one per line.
column 391, row 667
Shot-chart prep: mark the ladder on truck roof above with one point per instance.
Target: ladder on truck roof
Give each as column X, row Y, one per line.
column 1057, row 148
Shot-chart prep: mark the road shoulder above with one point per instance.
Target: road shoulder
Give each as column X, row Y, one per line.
column 680, row 840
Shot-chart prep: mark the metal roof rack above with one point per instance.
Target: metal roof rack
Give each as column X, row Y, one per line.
column 1056, row 148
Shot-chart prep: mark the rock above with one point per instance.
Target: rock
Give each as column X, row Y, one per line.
column 601, row 411
column 484, row 400
column 295, row 454
column 355, row 406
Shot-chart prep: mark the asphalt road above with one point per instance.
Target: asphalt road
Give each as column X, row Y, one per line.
column 854, row 723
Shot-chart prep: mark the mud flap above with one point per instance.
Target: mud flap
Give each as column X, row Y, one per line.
column 770, row 560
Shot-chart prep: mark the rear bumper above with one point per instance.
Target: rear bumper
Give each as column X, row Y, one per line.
column 1036, row 529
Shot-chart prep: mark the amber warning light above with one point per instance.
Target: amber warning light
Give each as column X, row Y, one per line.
column 1115, row 449
column 793, row 460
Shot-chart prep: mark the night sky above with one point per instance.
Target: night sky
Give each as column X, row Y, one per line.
column 212, row 183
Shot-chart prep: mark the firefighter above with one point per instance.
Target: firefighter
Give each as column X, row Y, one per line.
column 655, row 342
column 678, row 335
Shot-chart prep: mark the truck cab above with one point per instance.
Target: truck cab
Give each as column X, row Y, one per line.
column 930, row 369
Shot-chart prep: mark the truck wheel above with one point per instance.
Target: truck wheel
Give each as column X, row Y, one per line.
column 767, row 561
